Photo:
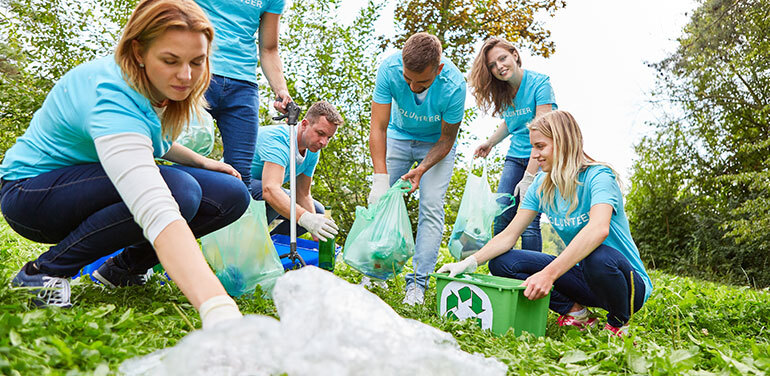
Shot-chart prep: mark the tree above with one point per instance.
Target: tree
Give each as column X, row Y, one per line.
column 459, row 24
column 709, row 161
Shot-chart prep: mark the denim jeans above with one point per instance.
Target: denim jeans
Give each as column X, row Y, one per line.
column 401, row 155
column 602, row 279
column 513, row 171
column 235, row 107
column 285, row 227
column 79, row 210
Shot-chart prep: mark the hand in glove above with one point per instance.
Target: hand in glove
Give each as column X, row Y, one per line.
column 319, row 226
column 218, row 309
column 524, row 183
column 465, row 266
column 380, row 184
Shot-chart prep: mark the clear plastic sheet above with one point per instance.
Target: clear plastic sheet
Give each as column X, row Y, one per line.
column 328, row 327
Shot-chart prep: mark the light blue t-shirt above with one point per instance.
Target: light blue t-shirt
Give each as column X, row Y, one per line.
column 236, row 29
column 445, row 99
column 90, row 101
column 534, row 90
column 273, row 146
column 597, row 186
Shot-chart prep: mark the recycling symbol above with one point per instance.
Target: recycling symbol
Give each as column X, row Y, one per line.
column 465, row 301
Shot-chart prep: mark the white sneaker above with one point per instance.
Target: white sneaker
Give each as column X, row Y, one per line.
column 368, row 282
column 414, row 295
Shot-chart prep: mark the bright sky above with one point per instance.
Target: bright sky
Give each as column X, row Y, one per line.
column 598, row 71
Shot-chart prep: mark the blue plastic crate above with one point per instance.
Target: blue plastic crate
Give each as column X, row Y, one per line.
column 308, row 249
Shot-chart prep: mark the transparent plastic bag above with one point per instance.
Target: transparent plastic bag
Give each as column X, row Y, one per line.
column 199, row 136
column 381, row 240
column 242, row 254
column 476, row 215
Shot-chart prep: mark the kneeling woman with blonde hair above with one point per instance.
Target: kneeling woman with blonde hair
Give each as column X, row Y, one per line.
column 84, row 178
column 581, row 197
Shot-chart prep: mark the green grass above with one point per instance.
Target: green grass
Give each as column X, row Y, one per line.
column 687, row 327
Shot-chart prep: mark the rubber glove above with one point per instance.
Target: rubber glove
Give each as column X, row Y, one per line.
column 524, row 183
column 465, row 266
column 380, row 184
column 319, row 226
column 218, row 309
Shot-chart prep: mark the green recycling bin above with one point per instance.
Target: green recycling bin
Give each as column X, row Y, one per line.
column 496, row 303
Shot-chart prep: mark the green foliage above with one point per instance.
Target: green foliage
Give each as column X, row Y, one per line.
column 687, row 327
column 459, row 24
column 698, row 201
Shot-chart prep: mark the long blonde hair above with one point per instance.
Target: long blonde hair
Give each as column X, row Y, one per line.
column 491, row 93
column 569, row 159
column 149, row 21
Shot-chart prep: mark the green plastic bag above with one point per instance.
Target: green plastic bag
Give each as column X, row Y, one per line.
column 476, row 216
column 243, row 254
column 199, row 136
column 381, row 240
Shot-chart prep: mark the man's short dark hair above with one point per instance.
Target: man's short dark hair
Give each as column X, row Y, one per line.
column 420, row 51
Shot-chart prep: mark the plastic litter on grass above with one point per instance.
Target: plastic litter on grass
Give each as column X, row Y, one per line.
column 328, row 327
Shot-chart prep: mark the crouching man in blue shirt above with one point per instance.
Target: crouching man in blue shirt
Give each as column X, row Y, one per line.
column 271, row 164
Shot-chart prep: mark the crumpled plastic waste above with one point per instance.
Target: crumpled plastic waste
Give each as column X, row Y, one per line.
column 479, row 207
column 381, row 241
column 328, row 327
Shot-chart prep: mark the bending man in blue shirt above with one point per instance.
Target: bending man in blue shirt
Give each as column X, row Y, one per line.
column 417, row 108
column 271, row 165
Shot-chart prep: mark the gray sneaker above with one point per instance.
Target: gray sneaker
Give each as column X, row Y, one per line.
column 113, row 275
column 414, row 295
column 368, row 282
column 48, row 290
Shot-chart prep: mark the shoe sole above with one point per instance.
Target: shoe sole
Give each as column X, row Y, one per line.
column 103, row 280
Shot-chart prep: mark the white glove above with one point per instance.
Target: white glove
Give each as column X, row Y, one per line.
column 524, row 183
column 218, row 309
column 465, row 266
column 380, row 184
column 321, row 227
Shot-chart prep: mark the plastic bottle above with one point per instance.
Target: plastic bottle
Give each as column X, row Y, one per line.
column 326, row 249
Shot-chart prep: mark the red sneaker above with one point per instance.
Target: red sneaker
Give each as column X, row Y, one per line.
column 619, row 332
column 581, row 322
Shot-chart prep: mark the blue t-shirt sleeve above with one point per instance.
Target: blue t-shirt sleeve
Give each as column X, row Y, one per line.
column 276, row 6
column 531, row 200
column 456, row 110
column 605, row 190
column 272, row 149
column 382, row 93
column 115, row 113
column 544, row 93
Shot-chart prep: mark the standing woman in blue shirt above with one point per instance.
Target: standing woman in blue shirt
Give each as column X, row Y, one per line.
column 83, row 176
column 234, row 94
column 601, row 266
column 518, row 96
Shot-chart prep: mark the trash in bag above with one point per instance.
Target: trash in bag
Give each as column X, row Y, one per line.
column 242, row 254
column 476, row 216
column 380, row 240
column 199, row 136
column 327, row 327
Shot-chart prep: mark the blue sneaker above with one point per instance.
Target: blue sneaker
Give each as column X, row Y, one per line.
column 49, row 291
column 113, row 275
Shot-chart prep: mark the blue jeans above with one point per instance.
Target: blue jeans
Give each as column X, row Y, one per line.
column 401, row 155
column 235, row 107
column 513, row 171
column 602, row 279
column 285, row 227
column 79, row 210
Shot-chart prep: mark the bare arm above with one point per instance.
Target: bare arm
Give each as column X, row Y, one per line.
column 274, row 195
column 539, row 111
column 439, row 150
column 585, row 242
column 500, row 133
column 506, row 239
column 271, row 60
column 182, row 155
column 304, row 199
column 378, row 136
